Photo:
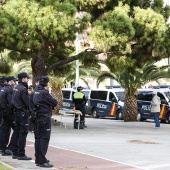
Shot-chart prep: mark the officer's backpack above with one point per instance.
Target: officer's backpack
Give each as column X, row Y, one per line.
column 81, row 125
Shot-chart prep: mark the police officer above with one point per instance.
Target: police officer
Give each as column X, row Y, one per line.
column 32, row 109
column 45, row 102
column 2, row 82
column 80, row 101
column 8, row 121
column 20, row 101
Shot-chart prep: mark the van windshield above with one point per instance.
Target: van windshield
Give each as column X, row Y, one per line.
column 121, row 96
column 86, row 93
column 167, row 93
column 66, row 94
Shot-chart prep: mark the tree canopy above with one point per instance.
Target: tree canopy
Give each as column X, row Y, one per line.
column 131, row 38
column 130, row 32
column 41, row 30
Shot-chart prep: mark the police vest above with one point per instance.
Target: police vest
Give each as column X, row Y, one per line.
column 78, row 95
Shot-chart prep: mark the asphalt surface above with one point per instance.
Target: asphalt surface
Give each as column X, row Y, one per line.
column 106, row 144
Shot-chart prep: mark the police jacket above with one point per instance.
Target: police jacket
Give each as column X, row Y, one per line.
column 31, row 103
column 79, row 98
column 20, row 98
column 44, row 100
column 6, row 96
column 1, row 86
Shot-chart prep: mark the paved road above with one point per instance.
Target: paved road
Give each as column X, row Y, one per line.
column 106, row 144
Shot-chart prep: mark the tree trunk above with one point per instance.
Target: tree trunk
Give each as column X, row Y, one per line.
column 38, row 64
column 130, row 109
column 57, row 94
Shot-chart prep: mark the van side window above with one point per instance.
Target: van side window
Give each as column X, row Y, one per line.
column 86, row 93
column 161, row 96
column 148, row 97
column 111, row 96
column 66, row 94
column 101, row 95
column 140, row 96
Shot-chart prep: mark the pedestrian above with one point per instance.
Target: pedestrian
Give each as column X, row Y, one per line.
column 8, row 120
column 44, row 102
column 20, row 101
column 80, row 101
column 155, row 108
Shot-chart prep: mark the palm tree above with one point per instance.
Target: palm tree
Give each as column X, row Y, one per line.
column 24, row 66
column 6, row 64
column 56, row 91
column 91, row 72
column 131, row 82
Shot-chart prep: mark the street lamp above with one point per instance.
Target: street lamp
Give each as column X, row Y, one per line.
column 77, row 61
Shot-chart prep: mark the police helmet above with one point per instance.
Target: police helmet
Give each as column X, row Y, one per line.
column 3, row 79
column 43, row 80
column 23, row 75
column 11, row 78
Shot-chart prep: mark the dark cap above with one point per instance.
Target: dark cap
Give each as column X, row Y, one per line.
column 11, row 78
column 43, row 80
column 79, row 88
column 38, row 79
column 23, row 75
column 3, row 78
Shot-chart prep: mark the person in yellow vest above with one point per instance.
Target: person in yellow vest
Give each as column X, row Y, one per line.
column 80, row 101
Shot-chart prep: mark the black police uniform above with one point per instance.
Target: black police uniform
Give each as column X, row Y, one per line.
column 45, row 101
column 8, row 119
column 1, row 86
column 20, row 101
column 80, row 100
column 33, row 111
column 2, row 79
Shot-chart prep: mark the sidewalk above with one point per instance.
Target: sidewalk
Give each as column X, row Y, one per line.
column 66, row 160
column 104, row 145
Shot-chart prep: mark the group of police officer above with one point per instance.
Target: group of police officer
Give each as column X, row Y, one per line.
column 16, row 107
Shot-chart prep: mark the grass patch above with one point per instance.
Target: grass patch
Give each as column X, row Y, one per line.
column 3, row 167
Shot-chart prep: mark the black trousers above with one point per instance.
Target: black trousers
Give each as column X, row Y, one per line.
column 7, row 129
column 36, row 141
column 21, row 132
column 82, row 109
column 8, row 122
column 0, row 130
column 43, row 134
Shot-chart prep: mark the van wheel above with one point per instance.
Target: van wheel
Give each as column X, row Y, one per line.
column 139, row 116
column 168, row 118
column 163, row 121
column 94, row 113
column 119, row 115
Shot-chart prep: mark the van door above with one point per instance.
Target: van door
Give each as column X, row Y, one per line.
column 103, row 103
column 144, row 105
column 67, row 99
column 112, row 105
column 164, row 106
column 99, row 103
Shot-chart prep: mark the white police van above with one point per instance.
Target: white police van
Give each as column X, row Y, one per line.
column 144, row 98
column 106, row 102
